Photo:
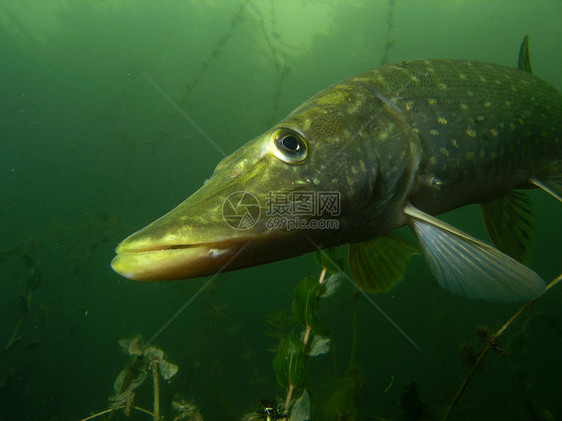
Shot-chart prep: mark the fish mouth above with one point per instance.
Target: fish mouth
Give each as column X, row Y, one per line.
column 179, row 261
column 143, row 260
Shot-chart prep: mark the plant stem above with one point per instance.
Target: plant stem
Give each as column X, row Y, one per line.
column 99, row 414
column 305, row 339
column 353, row 336
column 322, row 275
column 289, row 396
column 14, row 336
column 488, row 345
column 156, row 390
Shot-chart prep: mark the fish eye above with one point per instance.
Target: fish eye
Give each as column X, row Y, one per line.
column 289, row 146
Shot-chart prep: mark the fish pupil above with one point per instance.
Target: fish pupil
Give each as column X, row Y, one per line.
column 290, row 143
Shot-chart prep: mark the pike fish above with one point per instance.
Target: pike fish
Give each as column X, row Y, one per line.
column 390, row 147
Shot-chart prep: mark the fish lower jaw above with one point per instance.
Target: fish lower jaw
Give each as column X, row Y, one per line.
column 173, row 263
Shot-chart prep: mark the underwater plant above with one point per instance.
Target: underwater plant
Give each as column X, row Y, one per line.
column 301, row 335
column 469, row 357
column 389, row 43
column 144, row 360
column 308, row 340
column 32, row 282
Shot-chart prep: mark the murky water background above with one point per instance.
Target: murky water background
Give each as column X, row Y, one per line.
column 91, row 151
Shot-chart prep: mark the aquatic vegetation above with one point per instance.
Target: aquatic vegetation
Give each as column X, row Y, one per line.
column 292, row 350
column 389, row 43
column 490, row 344
column 32, row 282
column 295, row 345
column 187, row 411
column 144, row 360
column 33, row 279
column 301, row 335
column 272, row 45
column 412, row 407
column 269, row 411
column 309, row 338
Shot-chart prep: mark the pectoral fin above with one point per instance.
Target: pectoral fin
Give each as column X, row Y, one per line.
column 469, row 267
column 509, row 222
column 378, row 264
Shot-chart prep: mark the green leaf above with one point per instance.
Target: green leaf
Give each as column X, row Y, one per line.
column 331, row 284
column 328, row 258
column 282, row 322
column 301, row 408
column 288, row 364
column 318, row 345
column 305, row 301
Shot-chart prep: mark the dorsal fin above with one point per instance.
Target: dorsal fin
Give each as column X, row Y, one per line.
column 524, row 56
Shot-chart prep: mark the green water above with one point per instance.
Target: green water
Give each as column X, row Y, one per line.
column 91, row 151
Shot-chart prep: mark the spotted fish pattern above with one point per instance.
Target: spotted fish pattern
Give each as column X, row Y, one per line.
column 399, row 145
column 479, row 124
column 481, row 129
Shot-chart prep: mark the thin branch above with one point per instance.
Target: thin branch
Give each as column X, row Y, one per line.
column 490, row 344
column 107, row 411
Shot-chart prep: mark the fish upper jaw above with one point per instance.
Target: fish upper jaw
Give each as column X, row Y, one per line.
column 173, row 262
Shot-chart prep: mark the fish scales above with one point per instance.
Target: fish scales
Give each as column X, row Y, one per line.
column 477, row 123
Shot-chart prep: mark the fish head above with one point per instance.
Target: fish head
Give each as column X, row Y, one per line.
column 301, row 186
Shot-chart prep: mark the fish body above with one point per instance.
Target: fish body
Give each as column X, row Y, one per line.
column 394, row 146
column 483, row 129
